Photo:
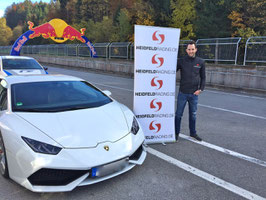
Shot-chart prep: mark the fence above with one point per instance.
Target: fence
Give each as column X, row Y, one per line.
column 218, row 50
column 255, row 50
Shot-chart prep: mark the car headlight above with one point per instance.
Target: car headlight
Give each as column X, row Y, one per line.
column 135, row 126
column 41, row 147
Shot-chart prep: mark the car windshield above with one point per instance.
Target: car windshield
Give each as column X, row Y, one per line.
column 9, row 63
column 56, row 96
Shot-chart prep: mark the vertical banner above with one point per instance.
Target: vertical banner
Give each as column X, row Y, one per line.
column 156, row 50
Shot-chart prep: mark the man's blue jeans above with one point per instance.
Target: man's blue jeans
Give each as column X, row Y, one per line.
column 192, row 100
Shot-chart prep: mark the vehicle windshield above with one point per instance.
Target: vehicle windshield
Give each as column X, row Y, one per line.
column 9, row 63
column 56, row 96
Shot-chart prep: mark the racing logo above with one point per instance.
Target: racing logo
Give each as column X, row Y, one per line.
column 155, row 126
column 156, row 83
column 58, row 30
column 158, row 37
column 157, row 60
column 106, row 148
column 156, row 105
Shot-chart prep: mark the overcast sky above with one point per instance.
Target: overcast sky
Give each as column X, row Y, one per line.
column 5, row 3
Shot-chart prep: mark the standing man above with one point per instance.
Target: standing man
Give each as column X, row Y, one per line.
column 192, row 83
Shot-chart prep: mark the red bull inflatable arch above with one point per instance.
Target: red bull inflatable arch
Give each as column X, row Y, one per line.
column 57, row 30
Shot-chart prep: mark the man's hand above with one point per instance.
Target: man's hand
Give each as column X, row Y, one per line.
column 197, row 92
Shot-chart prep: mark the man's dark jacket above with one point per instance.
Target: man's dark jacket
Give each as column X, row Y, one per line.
column 192, row 74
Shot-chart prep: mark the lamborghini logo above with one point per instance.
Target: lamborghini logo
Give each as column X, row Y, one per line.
column 106, row 148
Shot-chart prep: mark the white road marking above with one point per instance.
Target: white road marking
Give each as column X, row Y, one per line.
column 226, row 151
column 119, row 88
column 208, row 177
column 232, row 111
column 238, row 95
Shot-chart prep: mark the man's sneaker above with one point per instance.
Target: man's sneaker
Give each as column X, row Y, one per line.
column 196, row 137
column 176, row 138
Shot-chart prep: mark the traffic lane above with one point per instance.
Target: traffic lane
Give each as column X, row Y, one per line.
column 215, row 99
column 244, row 174
column 156, row 179
column 235, row 132
column 244, row 104
column 101, row 78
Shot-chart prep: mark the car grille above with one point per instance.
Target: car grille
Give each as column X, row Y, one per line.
column 136, row 155
column 55, row 177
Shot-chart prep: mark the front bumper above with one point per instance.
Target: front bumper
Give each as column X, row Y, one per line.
column 77, row 167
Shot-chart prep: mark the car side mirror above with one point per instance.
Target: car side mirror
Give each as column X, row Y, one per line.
column 107, row 92
column 45, row 68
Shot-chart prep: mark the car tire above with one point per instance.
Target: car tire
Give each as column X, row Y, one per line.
column 3, row 159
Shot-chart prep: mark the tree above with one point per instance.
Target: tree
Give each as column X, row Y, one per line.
column 183, row 15
column 103, row 31
column 5, row 32
column 71, row 11
column 248, row 18
column 125, row 28
column 94, row 9
column 17, row 32
column 143, row 13
column 162, row 11
column 54, row 10
column 212, row 18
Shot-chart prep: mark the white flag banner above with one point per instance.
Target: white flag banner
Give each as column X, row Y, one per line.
column 156, row 50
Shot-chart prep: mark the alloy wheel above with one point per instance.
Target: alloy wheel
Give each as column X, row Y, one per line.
column 2, row 158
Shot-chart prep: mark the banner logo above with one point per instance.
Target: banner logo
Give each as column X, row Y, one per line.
column 156, row 105
column 155, row 127
column 157, row 60
column 158, row 37
column 156, row 83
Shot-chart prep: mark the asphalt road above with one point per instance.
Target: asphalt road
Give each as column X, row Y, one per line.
column 229, row 164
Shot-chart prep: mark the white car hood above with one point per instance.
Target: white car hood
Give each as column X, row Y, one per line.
column 81, row 128
column 25, row 71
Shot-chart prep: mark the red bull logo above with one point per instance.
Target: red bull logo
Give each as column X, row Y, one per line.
column 20, row 43
column 45, row 30
column 58, row 30
column 71, row 34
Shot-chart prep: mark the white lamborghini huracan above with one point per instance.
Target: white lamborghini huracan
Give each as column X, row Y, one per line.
column 58, row 132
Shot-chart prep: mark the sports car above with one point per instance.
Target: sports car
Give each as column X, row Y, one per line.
column 58, row 132
column 20, row 65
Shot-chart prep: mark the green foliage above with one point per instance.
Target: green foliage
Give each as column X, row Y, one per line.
column 125, row 28
column 183, row 15
column 5, row 32
column 248, row 18
column 107, row 21
column 212, row 18
column 103, row 31
column 17, row 32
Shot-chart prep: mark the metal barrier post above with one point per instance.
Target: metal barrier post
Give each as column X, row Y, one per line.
column 237, row 45
column 245, row 56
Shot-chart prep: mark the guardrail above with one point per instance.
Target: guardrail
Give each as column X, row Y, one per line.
column 255, row 50
column 217, row 50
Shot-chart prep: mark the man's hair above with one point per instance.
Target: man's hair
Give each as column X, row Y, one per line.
column 191, row 43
